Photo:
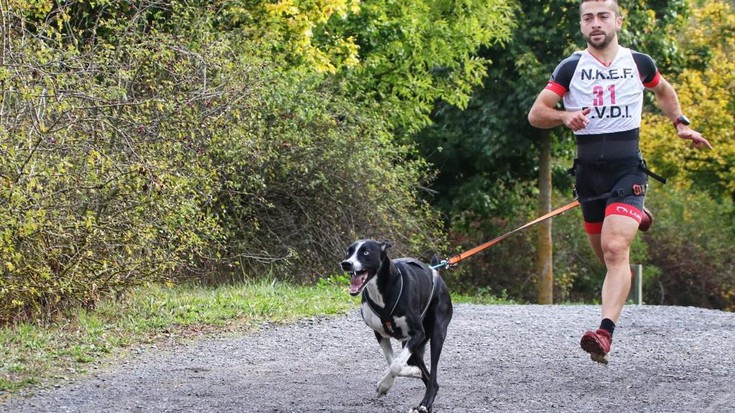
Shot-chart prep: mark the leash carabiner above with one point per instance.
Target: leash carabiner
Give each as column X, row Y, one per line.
column 442, row 264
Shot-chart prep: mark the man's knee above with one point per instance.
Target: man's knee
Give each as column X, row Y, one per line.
column 615, row 249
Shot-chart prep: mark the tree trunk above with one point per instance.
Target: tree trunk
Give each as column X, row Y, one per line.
column 544, row 250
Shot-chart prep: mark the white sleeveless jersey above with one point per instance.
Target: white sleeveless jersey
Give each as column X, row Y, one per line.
column 614, row 92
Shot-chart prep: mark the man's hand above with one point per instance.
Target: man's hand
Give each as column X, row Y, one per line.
column 698, row 141
column 577, row 120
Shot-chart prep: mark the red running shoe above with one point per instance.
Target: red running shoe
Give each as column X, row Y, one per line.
column 646, row 221
column 597, row 343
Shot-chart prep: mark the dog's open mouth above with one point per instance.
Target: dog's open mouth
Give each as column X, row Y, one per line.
column 358, row 281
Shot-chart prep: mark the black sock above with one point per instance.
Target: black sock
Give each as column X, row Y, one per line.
column 607, row 325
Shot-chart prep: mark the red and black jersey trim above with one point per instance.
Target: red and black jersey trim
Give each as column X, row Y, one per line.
column 561, row 78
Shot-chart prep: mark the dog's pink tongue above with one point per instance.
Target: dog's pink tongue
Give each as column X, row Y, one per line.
column 356, row 283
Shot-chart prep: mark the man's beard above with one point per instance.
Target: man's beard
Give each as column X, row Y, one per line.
column 606, row 40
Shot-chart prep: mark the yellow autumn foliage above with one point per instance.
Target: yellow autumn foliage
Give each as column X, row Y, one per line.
column 706, row 91
column 301, row 19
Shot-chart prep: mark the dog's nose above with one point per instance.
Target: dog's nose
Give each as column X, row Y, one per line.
column 346, row 265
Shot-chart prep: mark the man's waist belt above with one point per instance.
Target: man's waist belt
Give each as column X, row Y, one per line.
column 617, row 164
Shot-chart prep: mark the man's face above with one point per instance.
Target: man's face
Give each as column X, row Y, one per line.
column 599, row 24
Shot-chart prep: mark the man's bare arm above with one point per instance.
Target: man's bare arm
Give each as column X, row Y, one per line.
column 544, row 115
column 668, row 101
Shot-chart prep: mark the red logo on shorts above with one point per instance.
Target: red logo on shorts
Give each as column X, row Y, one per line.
column 623, row 209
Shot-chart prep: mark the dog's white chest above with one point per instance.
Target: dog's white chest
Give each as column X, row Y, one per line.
column 387, row 329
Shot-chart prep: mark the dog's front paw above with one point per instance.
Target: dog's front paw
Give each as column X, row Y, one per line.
column 420, row 409
column 386, row 383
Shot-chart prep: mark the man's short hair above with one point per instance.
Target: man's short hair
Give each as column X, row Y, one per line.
column 616, row 7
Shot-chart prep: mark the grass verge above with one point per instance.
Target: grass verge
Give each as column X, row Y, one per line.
column 33, row 354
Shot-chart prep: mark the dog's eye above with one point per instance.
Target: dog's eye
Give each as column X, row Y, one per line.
column 366, row 253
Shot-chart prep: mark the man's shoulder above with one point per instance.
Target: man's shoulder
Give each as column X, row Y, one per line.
column 570, row 63
column 573, row 58
column 633, row 52
column 637, row 55
column 646, row 67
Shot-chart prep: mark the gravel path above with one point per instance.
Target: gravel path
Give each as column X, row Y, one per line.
column 515, row 358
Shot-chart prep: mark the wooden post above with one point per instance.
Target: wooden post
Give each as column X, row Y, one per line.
column 636, row 284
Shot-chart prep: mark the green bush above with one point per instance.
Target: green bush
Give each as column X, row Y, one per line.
column 691, row 242
column 305, row 173
column 144, row 156
column 98, row 190
column 506, row 268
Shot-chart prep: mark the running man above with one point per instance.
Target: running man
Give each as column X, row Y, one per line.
column 602, row 90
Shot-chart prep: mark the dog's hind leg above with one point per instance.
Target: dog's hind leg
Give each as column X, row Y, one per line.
column 438, row 335
column 411, row 371
column 432, row 386
column 416, row 361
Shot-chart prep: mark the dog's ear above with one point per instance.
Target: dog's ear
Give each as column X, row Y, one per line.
column 385, row 245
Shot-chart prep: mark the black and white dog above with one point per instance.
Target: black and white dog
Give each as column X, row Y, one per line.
column 406, row 300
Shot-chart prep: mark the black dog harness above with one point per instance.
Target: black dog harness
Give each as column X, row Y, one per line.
column 387, row 319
